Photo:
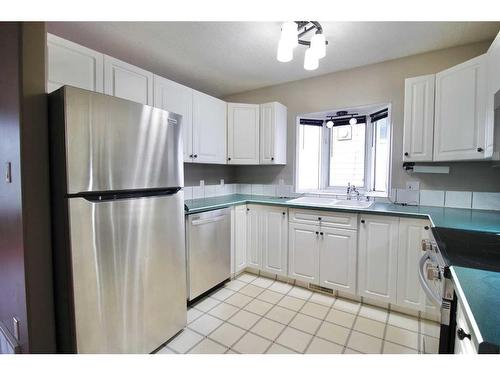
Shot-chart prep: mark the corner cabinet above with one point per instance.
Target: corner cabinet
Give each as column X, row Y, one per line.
column 171, row 96
column 378, row 257
column 72, row 64
column 127, row 81
column 459, row 124
column 274, row 237
column 492, row 144
column 209, row 129
column 419, row 118
column 273, row 133
column 243, row 133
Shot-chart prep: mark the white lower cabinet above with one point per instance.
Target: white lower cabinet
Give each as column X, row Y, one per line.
column 254, row 257
column 338, row 258
column 303, row 252
column 377, row 257
column 240, row 238
column 274, row 237
column 411, row 234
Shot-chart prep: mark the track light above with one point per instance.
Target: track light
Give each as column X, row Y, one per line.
column 353, row 121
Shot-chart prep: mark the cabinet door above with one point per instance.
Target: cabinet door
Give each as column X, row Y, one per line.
column 303, row 252
column 459, row 126
column 209, row 129
column 72, row 64
column 337, row 256
column 240, row 238
column 419, row 118
column 173, row 97
column 127, row 81
column 243, row 133
column 273, row 130
column 274, row 240
column 254, row 232
column 378, row 262
column 411, row 234
column 492, row 148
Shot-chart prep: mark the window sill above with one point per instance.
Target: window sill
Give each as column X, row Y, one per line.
column 342, row 193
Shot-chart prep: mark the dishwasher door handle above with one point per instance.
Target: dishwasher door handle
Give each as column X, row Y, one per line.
column 208, row 220
column 433, row 296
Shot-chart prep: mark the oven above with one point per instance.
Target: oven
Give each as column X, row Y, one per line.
column 435, row 279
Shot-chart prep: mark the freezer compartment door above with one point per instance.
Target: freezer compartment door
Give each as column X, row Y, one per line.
column 116, row 144
column 209, row 250
column 128, row 268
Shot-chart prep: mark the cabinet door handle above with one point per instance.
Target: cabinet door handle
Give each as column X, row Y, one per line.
column 362, row 221
column 426, row 227
column 284, row 213
column 406, row 154
column 462, row 335
column 195, row 156
column 480, row 149
column 248, row 209
column 272, row 158
column 321, row 233
column 229, row 159
column 317, row 233
column 319, row 218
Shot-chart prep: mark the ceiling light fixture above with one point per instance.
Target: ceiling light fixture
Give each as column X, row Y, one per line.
column 291, row 34
column 353, row 121
column 341, row 118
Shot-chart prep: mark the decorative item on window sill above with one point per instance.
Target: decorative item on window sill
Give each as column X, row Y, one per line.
column 291, row 34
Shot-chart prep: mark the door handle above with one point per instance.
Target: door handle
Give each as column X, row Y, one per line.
column 462, row 335
column 8, row 172
column 209, row 220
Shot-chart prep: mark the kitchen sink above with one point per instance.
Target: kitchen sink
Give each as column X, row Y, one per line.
column 352, row 203
column 313, row 201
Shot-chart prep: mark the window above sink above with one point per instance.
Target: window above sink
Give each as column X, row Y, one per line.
column 335, row 148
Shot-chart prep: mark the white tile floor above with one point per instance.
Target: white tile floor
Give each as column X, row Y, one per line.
column 257, row 315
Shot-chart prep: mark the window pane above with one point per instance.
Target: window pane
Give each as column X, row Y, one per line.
column 381, row 155
column 347, row 155
column 309, row 156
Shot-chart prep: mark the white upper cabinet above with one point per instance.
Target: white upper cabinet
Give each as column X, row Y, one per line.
column 273, row 129
column 72, row 64
column 127, row 81
column 459, row 126
column 274, row 239
column 419, row 118
column 209, row 129
column 243, row 133
column 338, row 259
column 410, row 293
column 492, row 143
column 378, row 257
column 174, row 97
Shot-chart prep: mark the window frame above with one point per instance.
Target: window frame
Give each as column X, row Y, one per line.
column 370, row 153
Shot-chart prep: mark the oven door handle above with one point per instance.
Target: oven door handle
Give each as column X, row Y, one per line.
column 433, row 296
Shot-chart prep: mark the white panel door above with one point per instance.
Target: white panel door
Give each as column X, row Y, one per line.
column 243, row 133
column 273, row 131
column 72, row 64
column 411, row 234
column 419, row 118
column 492, row 148
column 274, row 240
column 337, row 257
column 459, row 125
column 173, row 97
column 240, row 238
column 254, row 237
column 378, row 257
column 303, row 252
column 127, row 81
column 209, row 129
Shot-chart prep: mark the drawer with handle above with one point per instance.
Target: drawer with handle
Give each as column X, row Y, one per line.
column 332, row 219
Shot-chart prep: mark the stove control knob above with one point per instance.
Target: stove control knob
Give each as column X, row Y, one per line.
column 426, row 245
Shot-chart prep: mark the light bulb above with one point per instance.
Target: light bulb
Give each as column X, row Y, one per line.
column 353, row 121
column 318, row 45
column 289, row 34
column 329, row 124
column 285, row 51
column 310, row 60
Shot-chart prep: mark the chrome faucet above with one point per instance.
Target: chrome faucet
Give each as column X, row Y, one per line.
column 348, row 193
column 351, row 189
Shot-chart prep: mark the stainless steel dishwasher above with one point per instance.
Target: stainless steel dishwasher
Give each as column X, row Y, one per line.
column 208, row 250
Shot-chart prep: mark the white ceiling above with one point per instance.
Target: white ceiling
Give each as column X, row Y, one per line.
column 222, row 58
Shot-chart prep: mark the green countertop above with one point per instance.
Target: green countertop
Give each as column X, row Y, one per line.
column 480, row 290
column 456, row 218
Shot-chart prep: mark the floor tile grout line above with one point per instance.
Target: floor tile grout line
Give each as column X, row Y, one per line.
column 318, row 328
column 385, row 330
column 350, row 331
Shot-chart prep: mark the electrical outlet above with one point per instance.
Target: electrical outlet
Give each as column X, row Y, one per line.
column 202, row 183
column 413, row 185
column 221, row 182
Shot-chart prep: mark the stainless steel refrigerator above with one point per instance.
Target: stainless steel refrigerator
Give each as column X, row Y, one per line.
column 118, row 223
